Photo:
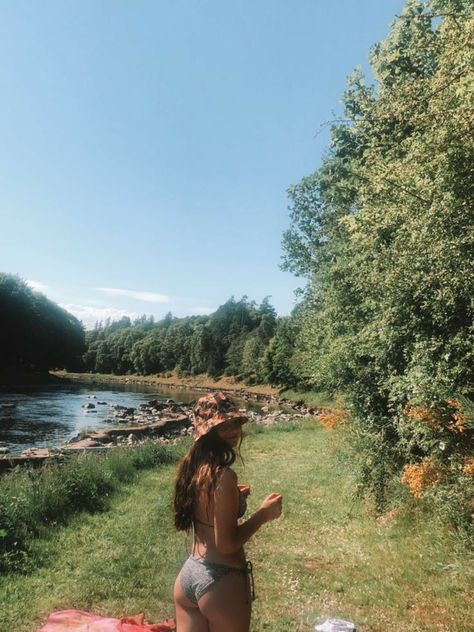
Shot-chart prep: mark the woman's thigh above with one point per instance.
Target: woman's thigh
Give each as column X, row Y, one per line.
column 188, row 615
column 227, row 606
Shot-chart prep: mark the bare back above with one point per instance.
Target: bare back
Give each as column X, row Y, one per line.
column 210, row 514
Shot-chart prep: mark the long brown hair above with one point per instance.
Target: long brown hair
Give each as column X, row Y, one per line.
column 198, row 472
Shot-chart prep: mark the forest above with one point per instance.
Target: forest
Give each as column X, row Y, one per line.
column 35, row 333
column 240, row 338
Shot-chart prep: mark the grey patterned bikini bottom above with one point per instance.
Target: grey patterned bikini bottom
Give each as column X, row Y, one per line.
column 198, row 576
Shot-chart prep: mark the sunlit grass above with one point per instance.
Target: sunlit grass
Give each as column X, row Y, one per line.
column 327, row 555
column 330, row 555
column 33, row 501
column 313, row 399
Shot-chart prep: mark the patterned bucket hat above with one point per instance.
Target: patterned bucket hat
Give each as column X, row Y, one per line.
column 212, row 410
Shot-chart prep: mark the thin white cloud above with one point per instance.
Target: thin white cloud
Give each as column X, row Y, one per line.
column 148, row 297
column 37, row 286
column 91, row 315
column 202, row 311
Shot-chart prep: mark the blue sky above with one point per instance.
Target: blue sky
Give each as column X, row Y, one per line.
column 147, row 146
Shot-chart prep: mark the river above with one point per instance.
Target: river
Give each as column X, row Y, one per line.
column 46, row 417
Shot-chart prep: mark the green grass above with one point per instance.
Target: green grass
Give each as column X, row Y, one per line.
column 34, row 500
column 327, row 555
column 313, row 399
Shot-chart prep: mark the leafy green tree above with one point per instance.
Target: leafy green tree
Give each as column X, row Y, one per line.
column 277, row 359
column 384, row 234
column 226, row 326
column 200, row 347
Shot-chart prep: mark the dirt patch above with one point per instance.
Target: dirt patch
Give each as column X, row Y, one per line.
column 320, row 564
column 433, row 616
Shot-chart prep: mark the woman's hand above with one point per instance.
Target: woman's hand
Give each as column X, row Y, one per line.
column 244, row 489
column 271, row 507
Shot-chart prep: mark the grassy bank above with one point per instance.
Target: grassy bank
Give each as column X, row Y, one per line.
column 312, row 399
column 34, row 501
column 172, row 379
column 328, row 555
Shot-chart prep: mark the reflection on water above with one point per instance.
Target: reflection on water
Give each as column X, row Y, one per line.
column 46, row 417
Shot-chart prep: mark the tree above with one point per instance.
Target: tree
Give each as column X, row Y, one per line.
column 35, row 333
column 212, row 344
column 277, row 358
column 384, row 234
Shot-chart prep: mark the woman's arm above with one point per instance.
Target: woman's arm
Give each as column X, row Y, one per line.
column 229, row 535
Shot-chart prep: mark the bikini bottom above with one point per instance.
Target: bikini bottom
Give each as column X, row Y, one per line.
column 198, row 576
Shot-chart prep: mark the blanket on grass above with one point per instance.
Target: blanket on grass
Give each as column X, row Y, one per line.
column 78, row 621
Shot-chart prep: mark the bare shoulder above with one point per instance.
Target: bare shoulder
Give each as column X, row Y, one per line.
column 227, row 479
column 226, row 496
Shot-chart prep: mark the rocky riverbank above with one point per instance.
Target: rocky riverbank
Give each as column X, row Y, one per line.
column 157, row 420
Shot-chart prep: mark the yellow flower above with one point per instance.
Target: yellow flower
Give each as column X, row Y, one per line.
column 468, row 468
column 333, row 418
column 459, row 422
column 448, row 415
column 421, row 475
column 423, row 415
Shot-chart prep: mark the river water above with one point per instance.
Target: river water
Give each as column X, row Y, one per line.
column 46, row 417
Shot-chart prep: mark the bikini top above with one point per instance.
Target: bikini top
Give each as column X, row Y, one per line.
column 242, row 509
column 242, row 504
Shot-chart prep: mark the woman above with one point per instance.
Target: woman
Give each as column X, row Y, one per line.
column 214, row 589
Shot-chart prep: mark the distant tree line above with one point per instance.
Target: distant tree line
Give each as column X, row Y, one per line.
column 35, row 333
column 240, row 338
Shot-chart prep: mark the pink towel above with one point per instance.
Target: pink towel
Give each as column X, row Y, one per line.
column 78, row 621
